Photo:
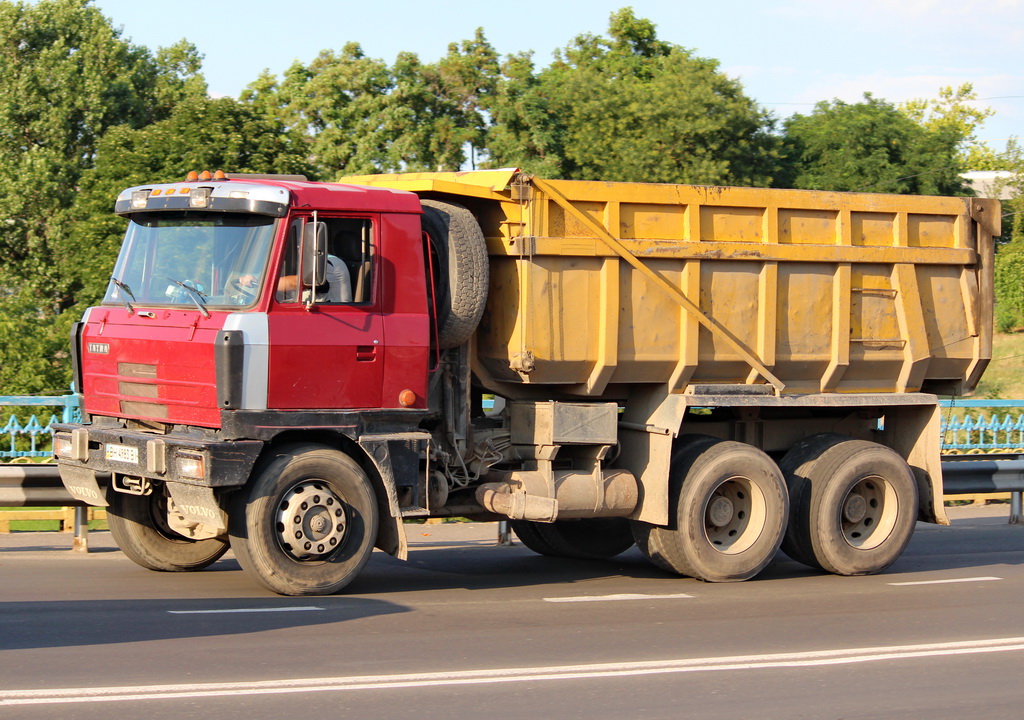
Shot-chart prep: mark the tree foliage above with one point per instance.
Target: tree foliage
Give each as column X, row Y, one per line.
column 66, row 77
column 871, row 146
column 629, row 107
column 357, row 115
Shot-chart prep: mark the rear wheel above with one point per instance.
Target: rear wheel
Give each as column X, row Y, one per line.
column 857, row 510
column 307, row 523
column 794, row 466
column 138, row 524
column 586, row 539
column 727, row 514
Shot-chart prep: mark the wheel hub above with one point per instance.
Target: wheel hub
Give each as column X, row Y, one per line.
column 869, row 512
column 311, row 521
column 734, row 515
column 720, row 511
column 855, row 508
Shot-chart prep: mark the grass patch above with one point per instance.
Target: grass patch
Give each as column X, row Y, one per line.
column 1004, row 377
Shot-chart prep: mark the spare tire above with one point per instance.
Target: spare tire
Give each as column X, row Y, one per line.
column 460, row 270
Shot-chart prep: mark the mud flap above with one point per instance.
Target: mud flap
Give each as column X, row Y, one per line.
column 82, row 484
column 396, row 457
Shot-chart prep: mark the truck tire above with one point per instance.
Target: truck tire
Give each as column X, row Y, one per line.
column 728, row 507
column 794, row 466
column 462, row 270
column 646, row 539
column 857, row 509
column 586, row 539
column 139, row 527
column 306, row 523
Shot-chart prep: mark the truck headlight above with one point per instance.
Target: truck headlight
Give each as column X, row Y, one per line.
column 62, row 446
column 189, row 465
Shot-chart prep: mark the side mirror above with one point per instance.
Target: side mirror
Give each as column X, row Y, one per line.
column 314, row 254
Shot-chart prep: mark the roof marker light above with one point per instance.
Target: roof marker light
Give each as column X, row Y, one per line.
column 139, row 199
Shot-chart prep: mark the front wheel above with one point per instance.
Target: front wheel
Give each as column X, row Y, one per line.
column 138, row 524
column 306, row 525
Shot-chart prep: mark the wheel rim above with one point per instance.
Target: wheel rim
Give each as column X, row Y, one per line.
column 311, row 521
column 868, row 512
column 734, row 515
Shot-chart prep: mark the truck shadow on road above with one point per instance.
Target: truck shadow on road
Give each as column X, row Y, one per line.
column 485, row 566
column 64, row 623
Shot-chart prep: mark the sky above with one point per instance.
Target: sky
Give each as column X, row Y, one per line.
column 788, row 54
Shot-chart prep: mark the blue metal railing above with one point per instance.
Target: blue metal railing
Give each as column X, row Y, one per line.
column 32, row 439
column 983, row 430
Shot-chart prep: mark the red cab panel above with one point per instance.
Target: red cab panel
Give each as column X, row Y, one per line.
column 156, row 364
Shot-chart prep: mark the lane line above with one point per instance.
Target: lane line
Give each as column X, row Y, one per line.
column 300, row 608
column 614, row 598
column 818, row 658
column 946, row 582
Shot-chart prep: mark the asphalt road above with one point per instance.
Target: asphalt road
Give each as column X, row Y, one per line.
column 467, row 628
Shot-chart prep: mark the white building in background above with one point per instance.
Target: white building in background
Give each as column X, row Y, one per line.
column 992, row 183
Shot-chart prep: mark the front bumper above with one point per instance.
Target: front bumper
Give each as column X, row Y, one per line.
column 167, row 458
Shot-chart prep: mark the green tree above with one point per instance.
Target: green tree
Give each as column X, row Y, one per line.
column 1009, row 267
column 871, row 146
column 629, row 107
column 66, row 78
column 954, row 115
column 358, row 115
column 434, row 112
column 1009, row 272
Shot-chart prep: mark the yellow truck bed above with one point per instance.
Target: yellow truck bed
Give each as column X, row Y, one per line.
column 595, row 286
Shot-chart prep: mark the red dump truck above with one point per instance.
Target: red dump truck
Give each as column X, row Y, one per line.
column 292, row 369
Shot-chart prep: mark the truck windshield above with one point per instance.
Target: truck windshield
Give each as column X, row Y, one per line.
column 171, row 258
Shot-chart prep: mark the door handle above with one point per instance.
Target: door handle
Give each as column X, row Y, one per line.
column 366, row 353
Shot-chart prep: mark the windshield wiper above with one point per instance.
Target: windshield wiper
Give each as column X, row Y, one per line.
column 125, row 293
column 195, row 293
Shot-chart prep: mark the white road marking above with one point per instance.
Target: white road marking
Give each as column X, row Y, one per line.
column 509, row 675
column 946, row 582
column 300, row 608
column 614, row 598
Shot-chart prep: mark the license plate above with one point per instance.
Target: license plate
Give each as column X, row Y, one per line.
column 122, row 453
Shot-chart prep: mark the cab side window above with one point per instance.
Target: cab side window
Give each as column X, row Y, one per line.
column 350, row 254
column 350, row 257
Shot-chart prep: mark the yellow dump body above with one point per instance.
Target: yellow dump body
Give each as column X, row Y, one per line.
column 598, row 286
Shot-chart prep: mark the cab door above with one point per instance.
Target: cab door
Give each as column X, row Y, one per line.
column 329, row 355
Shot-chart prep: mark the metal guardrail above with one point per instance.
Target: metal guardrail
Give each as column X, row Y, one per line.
column 39, row 485
column 980, row 474
column 35, row 485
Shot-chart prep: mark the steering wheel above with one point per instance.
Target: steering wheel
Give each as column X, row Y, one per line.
column 242, row 293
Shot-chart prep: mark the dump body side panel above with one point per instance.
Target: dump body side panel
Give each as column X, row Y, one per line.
column 827, row 292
